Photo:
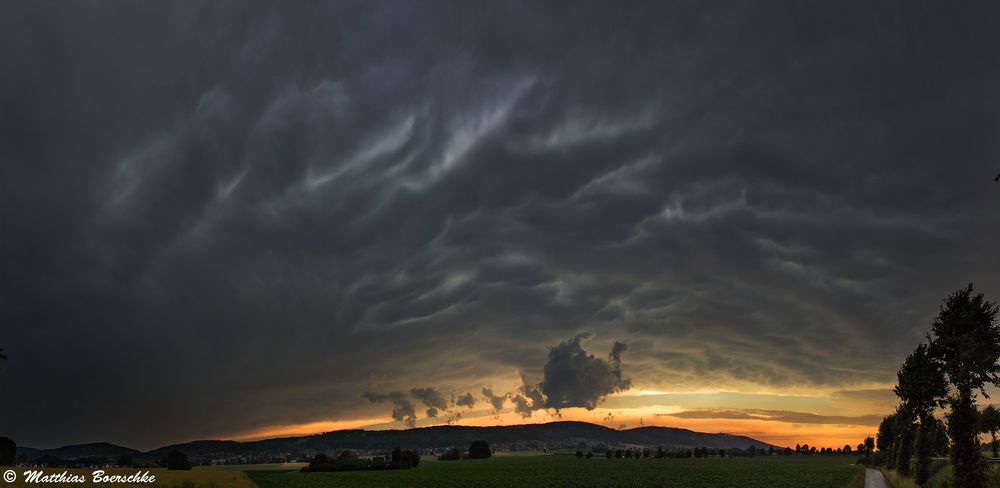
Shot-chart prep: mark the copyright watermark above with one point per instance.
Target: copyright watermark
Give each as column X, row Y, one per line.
column 98, row 476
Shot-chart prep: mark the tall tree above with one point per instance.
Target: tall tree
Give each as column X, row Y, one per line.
column 990, row 422
column 921, row 389
column 8, row 452
column 887, row 438
column 965, row 338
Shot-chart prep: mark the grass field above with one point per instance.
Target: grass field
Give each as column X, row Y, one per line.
column 253, row 467
column 507, row 470
column 567, row 470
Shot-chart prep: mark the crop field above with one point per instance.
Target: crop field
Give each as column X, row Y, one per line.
column 567, row 470
column 253, row 467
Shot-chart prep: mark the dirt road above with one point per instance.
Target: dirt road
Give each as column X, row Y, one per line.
column 874, row 479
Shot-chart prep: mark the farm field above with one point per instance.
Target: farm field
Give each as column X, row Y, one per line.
column 567, row 470
column 252, row 467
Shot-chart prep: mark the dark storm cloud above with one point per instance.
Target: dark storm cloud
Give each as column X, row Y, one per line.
column 403, row 409
column 225, row 215
column 572, row 378
column 466, row 400
column 497, row 401
column 432, row 398
column 528, row 399
column 575, row 378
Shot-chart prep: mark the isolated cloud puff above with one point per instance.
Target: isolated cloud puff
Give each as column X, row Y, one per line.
column 574, row 378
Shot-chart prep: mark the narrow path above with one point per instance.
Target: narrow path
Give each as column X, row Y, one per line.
column 874, row 479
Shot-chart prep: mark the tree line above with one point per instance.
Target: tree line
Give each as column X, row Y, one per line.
column 703, row 452
column 348, row 460
column 947, row 372
column 477, row 450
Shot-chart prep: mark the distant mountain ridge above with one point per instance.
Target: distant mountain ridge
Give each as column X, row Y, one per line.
column 441, row 436
column 96, row 449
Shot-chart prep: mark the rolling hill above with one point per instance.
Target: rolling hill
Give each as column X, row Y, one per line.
column 562, row 434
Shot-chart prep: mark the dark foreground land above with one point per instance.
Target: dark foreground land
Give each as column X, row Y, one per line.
column 520, row 470
column 566, row 470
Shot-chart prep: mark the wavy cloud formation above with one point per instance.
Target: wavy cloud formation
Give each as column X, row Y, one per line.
column 755, row 196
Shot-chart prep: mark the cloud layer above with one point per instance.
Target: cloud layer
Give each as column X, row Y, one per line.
column 573, row 378
column 227, row 215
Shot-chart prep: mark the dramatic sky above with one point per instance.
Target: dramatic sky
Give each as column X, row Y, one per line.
column 228, row 220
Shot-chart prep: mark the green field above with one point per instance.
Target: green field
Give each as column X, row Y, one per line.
column 567, row 470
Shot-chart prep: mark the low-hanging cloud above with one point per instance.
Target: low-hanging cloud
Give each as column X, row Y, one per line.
column 403, row 409
column 497, row 401
column 527, row 399
column 466, row 400
column 574, row 378
column 432, row 398
column 571, row 378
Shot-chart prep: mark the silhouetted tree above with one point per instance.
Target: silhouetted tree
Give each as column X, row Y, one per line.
column 886, row 438
column 409, row 459
column 479, row 450
column 8, row 452
column 609, row 454
column 990, row 422
column 847, row 449
column 904, row 445
column 921, row 388
column 177, row 460
column 869, row 446
column 590, row 454
column 966, row 340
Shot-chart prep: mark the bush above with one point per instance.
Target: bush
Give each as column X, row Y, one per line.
column 480, row 450
column 177, row 460
column 8, row 452
column 407, row 459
